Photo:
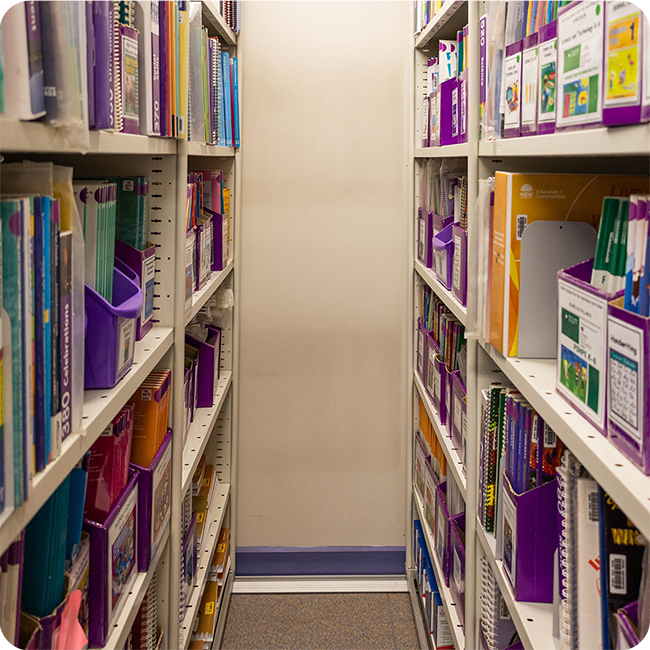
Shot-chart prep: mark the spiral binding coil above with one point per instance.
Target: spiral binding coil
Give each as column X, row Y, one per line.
column 216, row 87
column 117, row 67
column 490, row 601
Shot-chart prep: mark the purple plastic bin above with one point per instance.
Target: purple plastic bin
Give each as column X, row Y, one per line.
column 432, row 350
column 625, row 632
column 421, row 351
column 110, row 331
column 443, row 255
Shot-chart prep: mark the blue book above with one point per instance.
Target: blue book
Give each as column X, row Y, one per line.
column 28, row 344
column 12, row 292
column 235, row 99
column 42, row 306
column 78, row 484
column 225, row 75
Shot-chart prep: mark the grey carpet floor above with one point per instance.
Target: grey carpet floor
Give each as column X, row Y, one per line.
column 365, row 621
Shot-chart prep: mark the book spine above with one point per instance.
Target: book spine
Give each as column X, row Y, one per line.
column 90, row 63
column 128, row 73
column 12, row 260
column 65, row 333
column 104, row 104
column 162, row 61
column 225, row 72
column 39, row 337
column 235, row 100
column 35, row 56
column 155, row 67
column 55, row 318
column 28, row 345
column 117, row 67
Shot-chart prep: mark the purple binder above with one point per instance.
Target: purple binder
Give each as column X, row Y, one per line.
column 628, row 372
column 459, row 275
column 154, row 502
column 155, row 66
column 90, row 62
column 104, row 99
column 113, row 562
column 530, row 539
column 143, row 263
column 546, row 109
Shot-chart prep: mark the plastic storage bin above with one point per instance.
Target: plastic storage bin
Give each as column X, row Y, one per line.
column 443, row 255
column 110, row 331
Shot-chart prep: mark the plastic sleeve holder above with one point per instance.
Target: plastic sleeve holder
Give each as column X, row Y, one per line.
column 110, row 331
column 443, row 256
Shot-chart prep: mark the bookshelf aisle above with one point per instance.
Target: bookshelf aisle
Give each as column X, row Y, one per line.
column 594, row 457
column 167, row 582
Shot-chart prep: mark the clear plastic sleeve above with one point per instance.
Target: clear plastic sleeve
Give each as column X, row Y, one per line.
column 197, row 99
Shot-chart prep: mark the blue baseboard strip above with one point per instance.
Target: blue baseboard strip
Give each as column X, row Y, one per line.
column 320, row 560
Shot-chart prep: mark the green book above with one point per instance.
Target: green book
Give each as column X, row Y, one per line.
column 600, row 273
column 11, row 213
column 621, row 253
column 620, row 224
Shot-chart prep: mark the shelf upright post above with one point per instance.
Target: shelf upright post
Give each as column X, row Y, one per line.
column 473, row 412
column 178, row 419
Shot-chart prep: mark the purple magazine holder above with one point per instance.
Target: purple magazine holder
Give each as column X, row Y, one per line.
column 154, row 503
column 29, row 633
column 637, row 449
column 579, row 277
column 458, row 414
column 103, row 331
column 447, row 378
column 446, row 92
column 207, row 374
column 432, row 350
column 547, row 33
column 101, row 614
column 137, row 261
column 626, row 635
column 421, row 351
column 443, row 253
column 457, row 564
column 424, row 237
column 459, row 276
column 440, row 388
column 441, row 532
column 535, row 540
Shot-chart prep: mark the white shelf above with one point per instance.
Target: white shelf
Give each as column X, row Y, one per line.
column 200, row 297
column 100, row 407
column 534, row 621
column 201, row 429
column 34, row 137
column 620, row 478
column 430, row 278
column 204, row 558
column 198, row 149
column 454, row 462
column 455, row 627
column 121, row 628
column 632, row 140
column 445, row 24
column 449, row 151
column 212, row 16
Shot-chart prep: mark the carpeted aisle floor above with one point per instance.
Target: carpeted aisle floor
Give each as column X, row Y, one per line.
column 364, row 621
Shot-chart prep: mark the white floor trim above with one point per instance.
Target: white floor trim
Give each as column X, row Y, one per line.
column 318, row 584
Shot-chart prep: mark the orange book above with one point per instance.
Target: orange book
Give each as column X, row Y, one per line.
column 521, row 199
column 150, row 418
column 207, row 613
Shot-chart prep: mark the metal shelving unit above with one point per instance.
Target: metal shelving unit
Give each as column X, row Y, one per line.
column 166, row 162
column 445, row 295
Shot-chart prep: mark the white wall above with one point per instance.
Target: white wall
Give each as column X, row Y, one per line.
column 324, row 275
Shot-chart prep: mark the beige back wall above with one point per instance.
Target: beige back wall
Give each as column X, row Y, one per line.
column 324, row 275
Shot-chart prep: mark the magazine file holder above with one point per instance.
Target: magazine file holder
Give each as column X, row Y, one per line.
column 110, row 331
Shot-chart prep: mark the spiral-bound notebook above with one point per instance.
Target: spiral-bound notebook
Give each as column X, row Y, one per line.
column 497, row 625
column 579, row 556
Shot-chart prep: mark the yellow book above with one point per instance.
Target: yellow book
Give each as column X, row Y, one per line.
column 521, row 199
column 183, row 67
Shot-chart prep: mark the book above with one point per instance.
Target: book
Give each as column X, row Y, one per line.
column 515, row 210
column 234, row 80
column 621, row 556
column 580, row 31
column 147, row 24
column 56, row 435
column 497, row 626
column 104, row 90
column 23, row 62
column 12, row 291
column 227, row 98
column 66, row 330
column 128, row 106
